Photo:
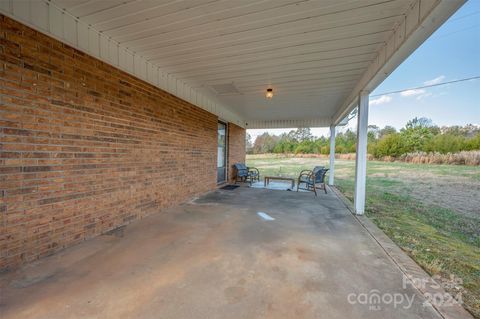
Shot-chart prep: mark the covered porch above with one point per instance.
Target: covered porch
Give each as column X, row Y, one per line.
column 110, row 114
column 318, row 59
column 215, row 257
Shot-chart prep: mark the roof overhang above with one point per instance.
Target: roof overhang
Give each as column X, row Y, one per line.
column 223, row 55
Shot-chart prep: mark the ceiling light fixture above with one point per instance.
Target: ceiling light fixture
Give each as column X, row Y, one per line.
column 269, row 94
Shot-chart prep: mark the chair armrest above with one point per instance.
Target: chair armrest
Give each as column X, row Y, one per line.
column 306, row 170
column 324, row 173
column 254, row 169
column 308, row 174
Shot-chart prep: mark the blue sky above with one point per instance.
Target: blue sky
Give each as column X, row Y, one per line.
column 451, row 53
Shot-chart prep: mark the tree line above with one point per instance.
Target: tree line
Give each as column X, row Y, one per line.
column 418, row 135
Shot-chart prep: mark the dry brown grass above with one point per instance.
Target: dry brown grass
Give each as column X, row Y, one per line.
column 348, row 156
column 471, row 158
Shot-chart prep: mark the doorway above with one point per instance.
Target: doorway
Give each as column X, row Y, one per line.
column 222, row 153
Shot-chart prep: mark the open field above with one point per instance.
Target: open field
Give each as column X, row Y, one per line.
column 431, row 211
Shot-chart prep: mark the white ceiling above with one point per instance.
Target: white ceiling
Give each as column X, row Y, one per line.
column 312, row 53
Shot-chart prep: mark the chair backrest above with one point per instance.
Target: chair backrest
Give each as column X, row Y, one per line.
column 242, row 169
column 319, row 172
column 240, row 166
column 317, row 168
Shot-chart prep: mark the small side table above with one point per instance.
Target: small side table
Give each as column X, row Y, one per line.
column 267, row 179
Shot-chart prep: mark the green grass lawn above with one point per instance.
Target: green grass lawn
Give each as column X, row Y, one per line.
column 431, row 211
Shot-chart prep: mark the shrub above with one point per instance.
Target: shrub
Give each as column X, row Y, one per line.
column 390, row 145
column 418, row 141
column 446, row 143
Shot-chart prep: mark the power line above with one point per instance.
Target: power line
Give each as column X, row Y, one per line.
column 427, row 86
column 455, row 32
column 464, row 16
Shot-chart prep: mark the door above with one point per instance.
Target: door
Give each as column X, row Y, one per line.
column 222, row 153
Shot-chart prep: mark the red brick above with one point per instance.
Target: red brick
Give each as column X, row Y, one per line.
column 86, row 147
column 236, row 148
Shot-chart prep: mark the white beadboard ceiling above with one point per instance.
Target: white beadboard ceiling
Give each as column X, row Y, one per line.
column 315, row 54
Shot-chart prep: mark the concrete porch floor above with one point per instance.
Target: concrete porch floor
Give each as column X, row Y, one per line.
column 216, row 258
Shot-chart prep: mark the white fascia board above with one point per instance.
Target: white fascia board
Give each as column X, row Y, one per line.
column 267, row 124
column 47, row 18
column 422, row 19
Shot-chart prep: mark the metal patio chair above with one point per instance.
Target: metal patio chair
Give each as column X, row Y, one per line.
column 246, row 174
column 313, row 179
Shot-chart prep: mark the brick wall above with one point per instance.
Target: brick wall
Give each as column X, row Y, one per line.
column 236, row 148
column 85, row 147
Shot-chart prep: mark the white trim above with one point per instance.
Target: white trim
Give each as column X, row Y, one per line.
column 331, row 172
column 265, row 124
column 59, row 24
column 361, row 153
column 227, row 131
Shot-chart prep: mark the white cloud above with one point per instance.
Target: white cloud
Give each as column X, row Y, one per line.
column 437, row 80
column 422, row 96
column 413, row 92
column 381, row 100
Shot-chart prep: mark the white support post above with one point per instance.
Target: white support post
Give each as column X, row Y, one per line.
column 332, row 156
column 361, row 155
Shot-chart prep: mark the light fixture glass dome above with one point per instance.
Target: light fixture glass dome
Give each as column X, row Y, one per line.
column 269, row 94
